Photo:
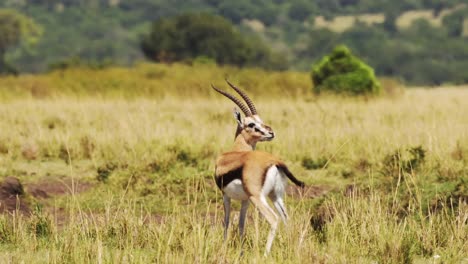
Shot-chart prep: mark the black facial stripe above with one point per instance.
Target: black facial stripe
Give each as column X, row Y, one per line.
column 258, row 130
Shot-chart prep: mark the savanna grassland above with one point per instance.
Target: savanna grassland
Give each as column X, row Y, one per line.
column 117, row 165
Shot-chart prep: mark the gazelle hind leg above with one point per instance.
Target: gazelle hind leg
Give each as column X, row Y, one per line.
column 227, row 213
column 279, row 205
column 270, row 216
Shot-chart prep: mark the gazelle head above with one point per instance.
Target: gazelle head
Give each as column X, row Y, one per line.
column 251, row 127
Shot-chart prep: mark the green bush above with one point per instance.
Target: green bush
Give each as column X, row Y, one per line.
column 342, row 72
column 311, row 164
column 404, row 160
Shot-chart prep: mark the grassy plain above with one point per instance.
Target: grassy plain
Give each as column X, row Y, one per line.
column 388, row 176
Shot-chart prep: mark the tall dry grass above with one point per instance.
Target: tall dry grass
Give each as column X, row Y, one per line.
column 149, row 154
column 151, row 80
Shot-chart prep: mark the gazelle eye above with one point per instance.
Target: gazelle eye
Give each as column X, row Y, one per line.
column 257, row 130
column 251, row 125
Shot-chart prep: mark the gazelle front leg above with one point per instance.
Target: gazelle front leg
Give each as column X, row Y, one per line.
column 243, row 213
column 227, row 213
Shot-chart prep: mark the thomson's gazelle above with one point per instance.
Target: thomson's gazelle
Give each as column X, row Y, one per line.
column 249, row 175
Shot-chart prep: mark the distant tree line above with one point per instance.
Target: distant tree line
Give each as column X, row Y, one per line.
column 420, row 54
column 105, row 32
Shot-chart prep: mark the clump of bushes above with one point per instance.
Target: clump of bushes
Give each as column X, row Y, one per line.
column 342, row 72
column 103, row 172
column 41, row 224
column 316, row 164
column 406, row 160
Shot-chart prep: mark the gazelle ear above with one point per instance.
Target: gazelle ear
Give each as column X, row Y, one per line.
column 237, row 116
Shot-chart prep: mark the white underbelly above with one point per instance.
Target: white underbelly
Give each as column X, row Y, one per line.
column 235, row 190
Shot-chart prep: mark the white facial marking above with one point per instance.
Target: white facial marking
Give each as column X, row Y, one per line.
column 255, row 127
column 258, row 119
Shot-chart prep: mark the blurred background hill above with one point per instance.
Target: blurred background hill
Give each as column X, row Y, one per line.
column 421, row 42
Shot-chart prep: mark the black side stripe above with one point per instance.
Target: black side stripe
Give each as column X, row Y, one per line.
column 225, row 179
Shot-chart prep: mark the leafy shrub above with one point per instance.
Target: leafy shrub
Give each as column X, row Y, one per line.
column 103, row 172
column 6, row 230
column 321, row 216
column 183, row 155
column 406, row 160
column 41, row 224
column 342, row 72
column 4, row 149
column 65, row 153
column 87, row 146
column 312, row 164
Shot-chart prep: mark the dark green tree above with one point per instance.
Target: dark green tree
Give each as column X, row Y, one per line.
column 319, row 42
column 189, row 36
column 342, row 72
column 300, row 10
column 267, row 14
column 15, row 30
column 236, row 10
column 454, row 22
column 328, row 6
column 390, row 20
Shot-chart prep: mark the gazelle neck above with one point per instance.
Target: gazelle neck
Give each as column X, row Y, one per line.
column 241, row 144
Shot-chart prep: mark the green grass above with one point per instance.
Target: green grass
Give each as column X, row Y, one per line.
column 149, row 160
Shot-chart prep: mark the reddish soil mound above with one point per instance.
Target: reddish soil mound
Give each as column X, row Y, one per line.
column 11, row 194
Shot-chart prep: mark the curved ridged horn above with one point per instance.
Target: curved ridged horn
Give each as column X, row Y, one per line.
column 235, row 100
column 246, row 98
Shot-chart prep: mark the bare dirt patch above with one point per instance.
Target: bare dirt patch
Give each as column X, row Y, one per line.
column 47, row 187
